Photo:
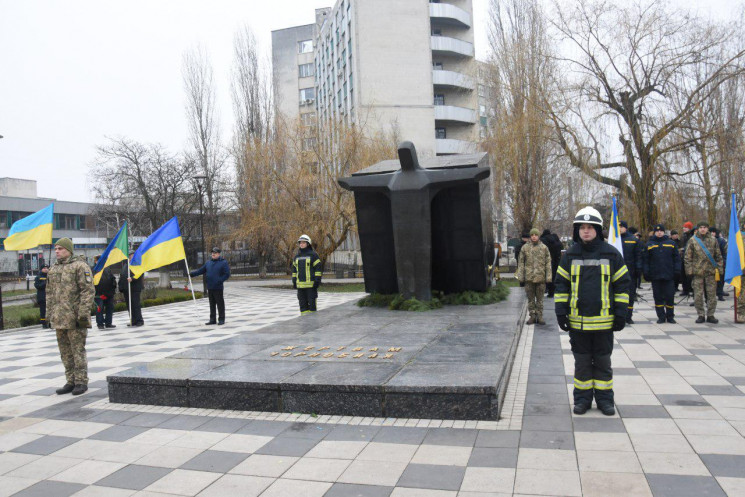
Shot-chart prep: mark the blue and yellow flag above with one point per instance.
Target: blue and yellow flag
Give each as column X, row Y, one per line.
column 115, row 252
column 736, row 253
column 31, row 231
column 163, row 247
column 614, row 230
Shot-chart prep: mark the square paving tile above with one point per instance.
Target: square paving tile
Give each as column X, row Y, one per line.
column 600, row 484
column 352, row 433
column 147, row 420
column 629, row 411
column 598, row 425
column 547, row 440
column 118, row 433
column 287, row 447
column 263, row 465
column 296, row 488
column 451, row 436
column 349, row 490
column 400, row 435
column 375, row 451
column 677, row 485
column 223, row 425
column 264, row 428
column 498, row 438
column 672, row 464
column 608, row 461
column 728, row 466
column 245, row 486
column 134, row 477
column 88, row 472
column 432, row 476
column 336, row 449
column 312, row 469
column 49, row 488
column 46, row 445
column 382, row 473
column 564, row 460
column 551, row 482
column 313, row 431
column 497, row 480
column 241, row 443
column 184, row 482
column 442, row 455
column 215, row 461
column 184, row 422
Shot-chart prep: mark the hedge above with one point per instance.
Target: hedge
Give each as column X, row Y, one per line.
column 396, row 302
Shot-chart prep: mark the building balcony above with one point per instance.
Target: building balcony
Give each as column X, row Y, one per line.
column 451, row 46
column 455, row 114
column 444, row 146
column 444, row 13
column 452, row 79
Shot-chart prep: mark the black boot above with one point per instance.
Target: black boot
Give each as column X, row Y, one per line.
column 712, row 320
column 700, row 319
column 607, row 408
column 79, row 389
column 581, row 408
column 69, row 387
column 210, row 322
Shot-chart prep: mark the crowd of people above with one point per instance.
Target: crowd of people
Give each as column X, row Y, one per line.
column 594, row 288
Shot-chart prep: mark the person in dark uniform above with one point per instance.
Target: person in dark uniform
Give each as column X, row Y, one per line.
column 128, row 282
column 40, row 283
column 591, row 302
column 218, row 272
column 638, row 283
column 661, row 265
column 632, row 256
column 675, row 238
column 307, row 271
column 104, row 299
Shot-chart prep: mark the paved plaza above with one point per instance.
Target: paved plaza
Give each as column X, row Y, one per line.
column 680, row 391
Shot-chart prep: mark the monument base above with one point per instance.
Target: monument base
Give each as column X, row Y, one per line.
column 452, row 363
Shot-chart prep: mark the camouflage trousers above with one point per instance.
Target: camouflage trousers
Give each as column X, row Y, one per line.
column 534, row 292
column 741, row 308
column 72, row 351
column 705, row 288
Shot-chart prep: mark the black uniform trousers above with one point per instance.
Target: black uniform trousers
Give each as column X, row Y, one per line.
column 307, row 298
column 217, row 303
column 43, row 312
column 664, row 298
column 104, row 311
column 593, row 374
column 136, row 310
column 632, row 293
column 687, row 286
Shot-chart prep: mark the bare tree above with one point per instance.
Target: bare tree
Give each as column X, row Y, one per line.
column 625, row 65
column 517, row 76
column 206, row 152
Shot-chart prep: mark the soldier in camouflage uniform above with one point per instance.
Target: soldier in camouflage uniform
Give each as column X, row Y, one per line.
column 533, row 272
column 70, row 295
column 699, row 265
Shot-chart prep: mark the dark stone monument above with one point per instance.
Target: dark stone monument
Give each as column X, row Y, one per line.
column 424, row 226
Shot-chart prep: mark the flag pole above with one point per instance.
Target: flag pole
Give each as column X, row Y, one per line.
column 129, row 293
column 191, row 287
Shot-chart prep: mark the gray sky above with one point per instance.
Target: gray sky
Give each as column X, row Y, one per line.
column 74, row 72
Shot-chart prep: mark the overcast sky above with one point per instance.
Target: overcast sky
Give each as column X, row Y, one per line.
column 74, row 72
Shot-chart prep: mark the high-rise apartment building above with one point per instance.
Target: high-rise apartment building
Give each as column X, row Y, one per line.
column 405, row 67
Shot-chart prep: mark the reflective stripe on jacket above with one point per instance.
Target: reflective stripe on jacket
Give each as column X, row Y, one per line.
column 592, row 286
column 306, row 268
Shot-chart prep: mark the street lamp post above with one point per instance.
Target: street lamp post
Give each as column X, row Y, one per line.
column 200, row 179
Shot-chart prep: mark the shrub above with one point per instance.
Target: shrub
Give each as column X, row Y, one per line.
column 396, row 302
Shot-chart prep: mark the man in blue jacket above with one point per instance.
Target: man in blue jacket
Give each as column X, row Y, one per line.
column 632, row 256
column 661, row 266
column 218, row 271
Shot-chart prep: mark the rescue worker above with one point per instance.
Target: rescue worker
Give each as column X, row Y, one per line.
column 70, row 298
column 661, row 265
column 40, row 283
column 591, row 303
column 553, row 243
column 675, row 238
column 685, row 277
column 104, row 300
column 218, row 272
column 632, row 256
column 307, row 272
column 703, row 261
column 533, row 272
column 127, row 283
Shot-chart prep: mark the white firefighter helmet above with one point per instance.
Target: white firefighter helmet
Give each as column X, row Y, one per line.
column 304, row 238
column 589, row 215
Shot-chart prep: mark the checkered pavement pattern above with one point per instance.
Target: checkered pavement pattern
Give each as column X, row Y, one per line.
column 679, row 428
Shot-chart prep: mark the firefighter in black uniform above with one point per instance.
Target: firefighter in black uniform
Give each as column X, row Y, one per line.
column 40, row 283
column 661, row 266
column 591, row 303
column 307, row 271
column 632, row 256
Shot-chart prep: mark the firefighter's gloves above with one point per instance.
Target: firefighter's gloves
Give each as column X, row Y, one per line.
column 563, row 322
column 619, row 323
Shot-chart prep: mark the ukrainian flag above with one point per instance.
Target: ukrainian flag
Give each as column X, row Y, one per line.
column 163, row 247
column 735, row 258
column 614, row 230
column 116, row 251
column 31, row 231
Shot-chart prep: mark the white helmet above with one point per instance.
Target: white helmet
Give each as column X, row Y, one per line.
column 589, row 215
column 304, row 238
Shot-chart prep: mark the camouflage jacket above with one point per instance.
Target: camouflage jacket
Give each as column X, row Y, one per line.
column 534, row 263
column 69, row 293
column 696, row 261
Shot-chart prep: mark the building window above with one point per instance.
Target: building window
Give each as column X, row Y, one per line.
column 439, row 99
column 437, row 66
column 482, row 110
column 308, row 119
column 309, row 143
column 440, row 133
column 305, row 46
column 482, row 91
column 307, row 95
column 436, row 32
column 306, row 70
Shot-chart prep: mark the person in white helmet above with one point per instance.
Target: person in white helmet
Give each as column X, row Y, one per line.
column 591, row 301
column 307, row 271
